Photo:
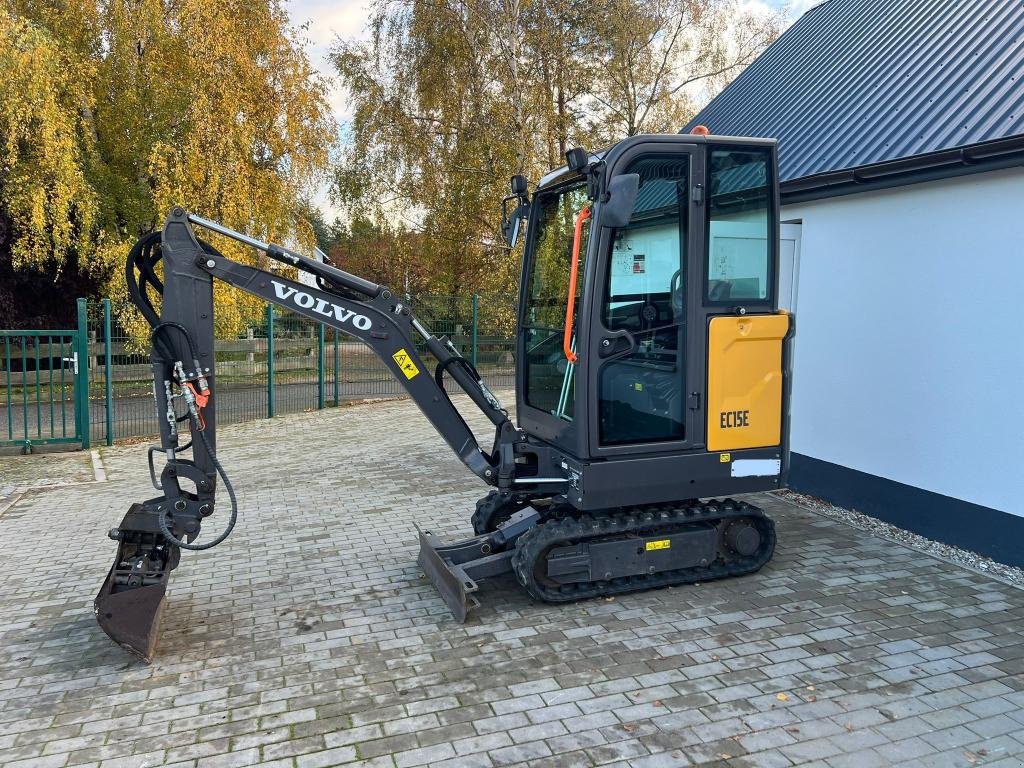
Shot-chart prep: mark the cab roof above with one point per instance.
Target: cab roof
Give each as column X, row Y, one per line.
column 563, row 174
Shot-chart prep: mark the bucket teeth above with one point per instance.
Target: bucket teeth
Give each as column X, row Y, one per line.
column 129, row 606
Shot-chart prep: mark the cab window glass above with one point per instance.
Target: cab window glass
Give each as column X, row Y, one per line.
column 641, row 379
column 738, row 229
column 550, row 378
column 645, row 272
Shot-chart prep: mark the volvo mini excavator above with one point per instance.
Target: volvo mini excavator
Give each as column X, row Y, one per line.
column 652, row 375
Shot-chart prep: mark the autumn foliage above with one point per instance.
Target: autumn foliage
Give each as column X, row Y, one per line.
column 452, row 97
column 113, row 111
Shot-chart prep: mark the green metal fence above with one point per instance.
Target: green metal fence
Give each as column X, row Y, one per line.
column 43, row 386
column 282, row 364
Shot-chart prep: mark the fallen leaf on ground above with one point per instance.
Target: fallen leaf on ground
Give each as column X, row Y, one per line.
column 782, row 697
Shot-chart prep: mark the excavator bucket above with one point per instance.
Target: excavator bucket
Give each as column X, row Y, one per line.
column 130, row 603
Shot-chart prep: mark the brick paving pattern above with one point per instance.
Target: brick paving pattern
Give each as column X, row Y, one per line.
column 310, row 638
column 43, row 469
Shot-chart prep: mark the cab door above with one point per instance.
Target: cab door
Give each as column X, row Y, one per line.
column 647, row 344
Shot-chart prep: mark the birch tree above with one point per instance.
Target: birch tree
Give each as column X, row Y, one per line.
column 113, row 111
column 659, row 59
column 451, row 97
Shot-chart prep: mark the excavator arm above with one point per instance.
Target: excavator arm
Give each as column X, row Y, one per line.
column 365, row 310
column 153, row 532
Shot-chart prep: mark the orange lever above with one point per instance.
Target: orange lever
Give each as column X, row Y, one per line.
column 570, row 307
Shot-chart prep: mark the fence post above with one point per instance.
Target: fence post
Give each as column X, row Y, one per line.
column 82, row 377
column 476, row 324
column 108, row 389
column 337, row 367
column 270, row 361
column 320, row 366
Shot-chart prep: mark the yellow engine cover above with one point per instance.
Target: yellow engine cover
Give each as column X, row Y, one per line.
column 745, row 381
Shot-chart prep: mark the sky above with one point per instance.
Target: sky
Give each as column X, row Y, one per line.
column 328, row 21
column 332, row 19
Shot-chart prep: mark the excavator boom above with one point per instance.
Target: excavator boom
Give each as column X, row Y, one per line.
column 129, row 606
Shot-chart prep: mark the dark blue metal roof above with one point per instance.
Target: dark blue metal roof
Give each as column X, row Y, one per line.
column 860, row 82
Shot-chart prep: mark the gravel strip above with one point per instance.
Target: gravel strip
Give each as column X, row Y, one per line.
column 947, row 552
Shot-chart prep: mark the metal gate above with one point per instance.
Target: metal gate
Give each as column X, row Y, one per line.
column 44, row 386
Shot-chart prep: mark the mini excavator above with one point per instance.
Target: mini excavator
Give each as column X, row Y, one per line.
column 652, row 377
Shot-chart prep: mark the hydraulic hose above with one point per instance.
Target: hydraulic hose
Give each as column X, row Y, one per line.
column 139, row 260
column 182, row 330
column 142, row 254
column 165, row 529
column 140, row 273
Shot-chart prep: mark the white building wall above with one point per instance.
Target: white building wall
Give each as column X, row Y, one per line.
column 910, row 336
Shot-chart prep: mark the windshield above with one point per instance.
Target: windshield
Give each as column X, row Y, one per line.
column 550, row 378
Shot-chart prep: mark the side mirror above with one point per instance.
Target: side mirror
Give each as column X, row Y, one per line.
column 577, row 159
column 512, row 223
column 617, row 210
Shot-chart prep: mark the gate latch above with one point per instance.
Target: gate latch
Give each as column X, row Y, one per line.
column 73, row 360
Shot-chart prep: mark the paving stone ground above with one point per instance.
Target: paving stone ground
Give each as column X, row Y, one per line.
column 44, row 469
column 310, row 638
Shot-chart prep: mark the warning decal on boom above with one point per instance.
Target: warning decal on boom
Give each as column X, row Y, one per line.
column 406, row 364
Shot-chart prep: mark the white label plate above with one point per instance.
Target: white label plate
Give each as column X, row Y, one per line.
column 756, row 467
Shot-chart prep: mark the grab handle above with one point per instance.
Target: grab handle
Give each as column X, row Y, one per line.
column 570, row 307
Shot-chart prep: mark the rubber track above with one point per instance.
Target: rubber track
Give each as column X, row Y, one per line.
column 492, row 510
column 643, row 521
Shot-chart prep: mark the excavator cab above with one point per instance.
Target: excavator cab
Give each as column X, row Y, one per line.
column 651, row 349
column 652, row 378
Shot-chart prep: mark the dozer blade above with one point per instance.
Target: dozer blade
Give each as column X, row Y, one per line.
column 456, row 567
column 130, row 603
column 452, row 582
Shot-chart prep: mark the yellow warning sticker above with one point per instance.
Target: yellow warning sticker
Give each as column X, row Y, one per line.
column 406, row 364
column 724, row 458
column 638, row 386
column 650, row 546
